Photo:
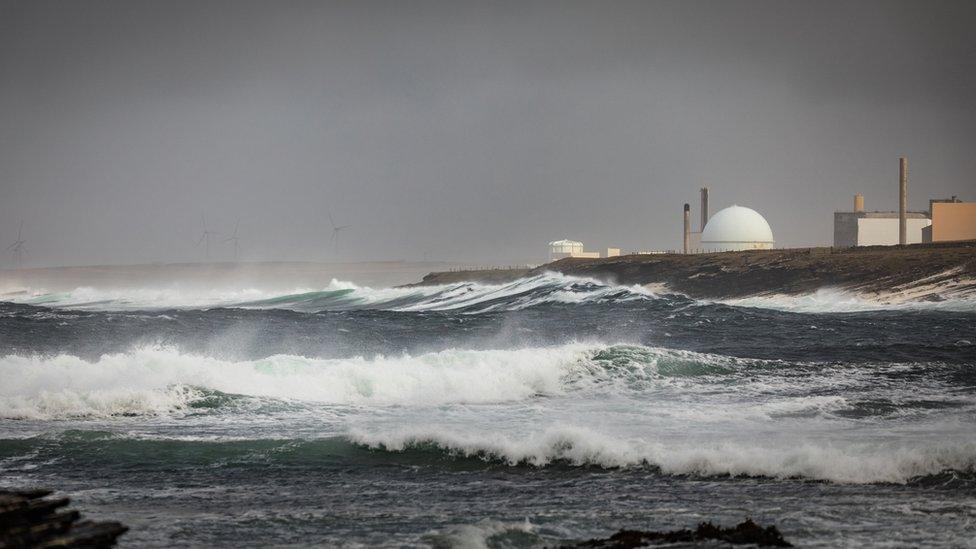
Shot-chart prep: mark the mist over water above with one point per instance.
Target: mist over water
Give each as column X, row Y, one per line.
column 534, row 412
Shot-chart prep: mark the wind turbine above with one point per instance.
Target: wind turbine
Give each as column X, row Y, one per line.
column 234, row 238
column 335, row 233
column 18, row 248
column 205, row 237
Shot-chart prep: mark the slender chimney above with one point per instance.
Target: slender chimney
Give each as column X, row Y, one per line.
column 687, row 227
column 704, row 207
column 858, row 202
column 903, row 201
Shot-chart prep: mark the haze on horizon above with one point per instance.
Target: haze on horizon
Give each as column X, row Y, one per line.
column 470, row 131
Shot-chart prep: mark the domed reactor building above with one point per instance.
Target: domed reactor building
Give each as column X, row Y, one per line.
column 736, row 228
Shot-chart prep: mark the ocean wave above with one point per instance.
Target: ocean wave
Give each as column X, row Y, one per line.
column 854, row 460
column 486, row 533
column 840, row 461
column 158, row 380
column 467, row 297
column 837, row 300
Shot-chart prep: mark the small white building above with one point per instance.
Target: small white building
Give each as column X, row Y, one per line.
column 559, row 249
column 736, row 228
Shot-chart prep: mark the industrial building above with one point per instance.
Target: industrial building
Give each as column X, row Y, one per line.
column 952, row 219
column 861, row 228
column 560, row 249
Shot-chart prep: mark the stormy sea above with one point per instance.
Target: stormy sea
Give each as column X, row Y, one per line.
column 540, row 412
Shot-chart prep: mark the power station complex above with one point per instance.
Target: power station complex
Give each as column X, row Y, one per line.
column 738, row 228
column 947, row 219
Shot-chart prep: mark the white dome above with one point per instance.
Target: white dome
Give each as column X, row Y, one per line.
column 737, row 228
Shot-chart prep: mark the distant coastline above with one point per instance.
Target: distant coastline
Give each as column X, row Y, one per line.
column 914, row 272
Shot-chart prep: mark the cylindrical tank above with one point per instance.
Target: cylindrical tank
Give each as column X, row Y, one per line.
column 858, row 202
column 687, row 232
column 903, row 201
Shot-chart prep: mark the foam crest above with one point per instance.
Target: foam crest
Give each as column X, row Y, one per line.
column 486, row 533
column 157, row 380
column 836, row 300
column 837, row 461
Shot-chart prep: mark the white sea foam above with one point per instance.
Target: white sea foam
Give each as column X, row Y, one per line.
column 481, row 534
column 585, row 404
column 845, row 461
column 157, row 380
column 836, row 300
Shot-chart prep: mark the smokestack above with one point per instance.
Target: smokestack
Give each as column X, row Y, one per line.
column 858, row 202
column 903, row 201
column 687, row 227
column 704, row 207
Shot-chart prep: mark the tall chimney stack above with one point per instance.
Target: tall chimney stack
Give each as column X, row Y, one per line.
column 858, row 202
column 687, row 239
column 704, row 208
column 903, row 201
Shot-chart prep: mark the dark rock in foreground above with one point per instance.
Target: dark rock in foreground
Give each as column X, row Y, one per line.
column 28, row 518
column 747, row 532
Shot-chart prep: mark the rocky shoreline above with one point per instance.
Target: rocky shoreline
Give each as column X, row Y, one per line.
column 914, row 272
column 30, row 518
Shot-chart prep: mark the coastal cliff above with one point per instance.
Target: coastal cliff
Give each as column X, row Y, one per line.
column 919, row 271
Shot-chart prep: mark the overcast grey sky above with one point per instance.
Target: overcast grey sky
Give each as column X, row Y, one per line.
column 472, row 131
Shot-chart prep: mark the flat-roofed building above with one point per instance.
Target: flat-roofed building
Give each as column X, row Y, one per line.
column 952, row 219
column 876, row 228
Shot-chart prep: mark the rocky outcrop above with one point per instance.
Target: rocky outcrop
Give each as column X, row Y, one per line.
column 707, row 534
column 29, row 518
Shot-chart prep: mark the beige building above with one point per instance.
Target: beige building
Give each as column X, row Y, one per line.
column 952, row 219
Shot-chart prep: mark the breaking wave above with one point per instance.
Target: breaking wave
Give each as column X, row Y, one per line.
column 466, row 296
column 845, row 462
column 612, row 406
column 848, row 461
column 836, row 300
column 472, row 297
column 159, row 380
